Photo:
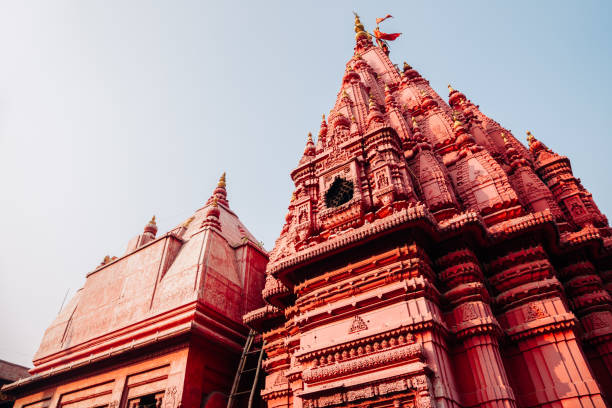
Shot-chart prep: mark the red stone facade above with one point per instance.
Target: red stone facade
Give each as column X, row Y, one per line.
column 429, row 259
column 160, row 326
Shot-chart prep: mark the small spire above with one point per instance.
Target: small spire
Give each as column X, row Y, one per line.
column 414, row 123
column 151, row 227
column 530, row 138
column 322, row 130
column 309, row 139
column 214, row 202
column 503, row 135
column 450, row 89
column 220, row 193
column 407, row 66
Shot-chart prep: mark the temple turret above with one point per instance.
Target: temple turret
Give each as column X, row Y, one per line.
column 556, row 171
column 150, row 230
column 487, row 132
column 531, row 190
column 322, row 139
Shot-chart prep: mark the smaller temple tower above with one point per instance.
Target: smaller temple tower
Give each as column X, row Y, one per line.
column 160, row 325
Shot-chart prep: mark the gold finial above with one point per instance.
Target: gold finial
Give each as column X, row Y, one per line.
column 450, row 89
column 152, row 221
column 503, row 135
column 456, row 119
column 359, row 29
column 372, row 103
column 407, row 66
column 221, row 182
column 323, row 117
column 293, row 197
column 414, row 122
column 344, row 94
column 187, row 222
column 214, row 202
column 530, row 138
column 309, row 137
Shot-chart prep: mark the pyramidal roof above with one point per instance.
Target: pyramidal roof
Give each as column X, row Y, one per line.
column 210, row 262
column 391, row 147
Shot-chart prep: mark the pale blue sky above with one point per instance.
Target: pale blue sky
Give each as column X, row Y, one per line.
column 111, row 111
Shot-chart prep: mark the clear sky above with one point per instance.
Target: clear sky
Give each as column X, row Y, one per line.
column 112, row 111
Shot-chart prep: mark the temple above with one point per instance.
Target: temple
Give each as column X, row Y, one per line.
column 429, row 259
column 160, row 325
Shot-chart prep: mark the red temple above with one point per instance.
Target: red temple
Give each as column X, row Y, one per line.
column 429, row 259
column 160, row 326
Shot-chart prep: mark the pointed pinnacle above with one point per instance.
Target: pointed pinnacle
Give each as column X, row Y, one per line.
column 450, row 89
column 152, row 221
column 221, row 182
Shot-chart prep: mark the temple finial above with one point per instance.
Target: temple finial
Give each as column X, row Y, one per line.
column 359, row 29
column 152, row 221
column 371, row 103
column 309, row 139
column 450, row 89
column 530, row 138
column 221, row 182
column 214, row 202
column 503, row 135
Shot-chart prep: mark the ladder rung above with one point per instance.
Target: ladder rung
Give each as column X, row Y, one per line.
column 241, row 393
column 248, row 370
column 253, row 351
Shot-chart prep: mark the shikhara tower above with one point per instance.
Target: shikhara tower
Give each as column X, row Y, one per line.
column 429, row 259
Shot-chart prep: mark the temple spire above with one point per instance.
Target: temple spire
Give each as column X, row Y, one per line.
column 309, row 150
column 220, row 193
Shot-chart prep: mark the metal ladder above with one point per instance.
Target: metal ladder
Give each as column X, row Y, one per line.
column 248, row 352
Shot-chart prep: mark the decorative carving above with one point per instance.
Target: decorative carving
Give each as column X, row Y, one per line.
column 395, row 386
column 281, row 378
column 535, row 311
column 357, row 325
column 376, row 359
column 362, row 393
column 469, row 312
column 170, row 397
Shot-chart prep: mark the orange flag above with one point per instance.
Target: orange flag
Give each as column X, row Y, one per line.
column 385, row 36
column 380, row 20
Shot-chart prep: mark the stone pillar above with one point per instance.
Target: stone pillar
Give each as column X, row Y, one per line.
column 592, row 304
column 543, row 357
column 483, row 381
